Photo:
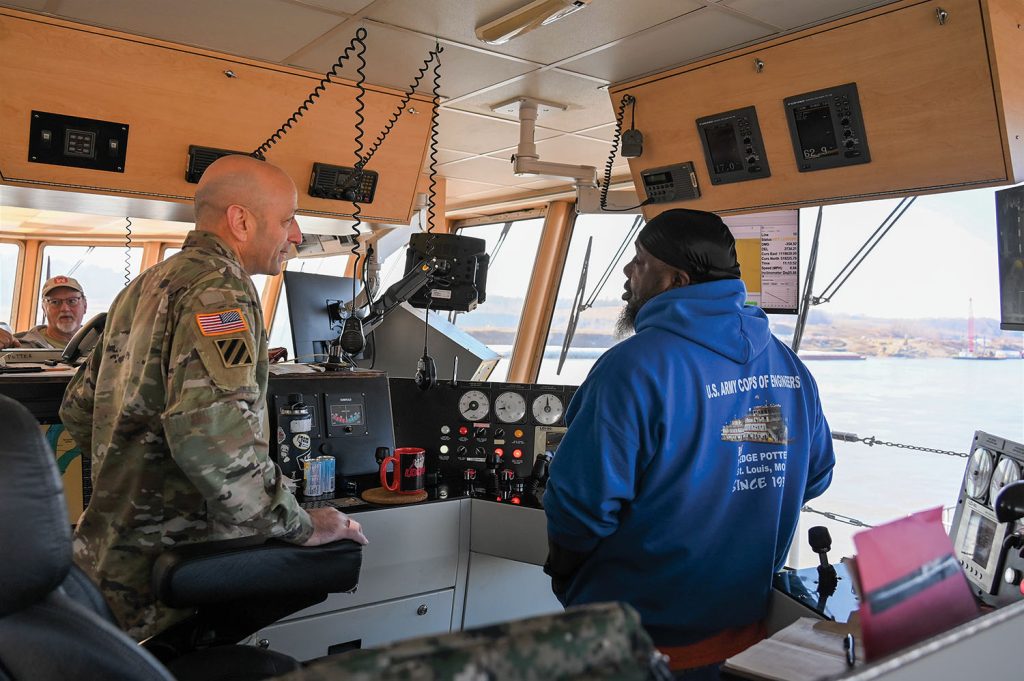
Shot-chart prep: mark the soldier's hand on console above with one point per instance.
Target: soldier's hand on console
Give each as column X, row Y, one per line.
column 330, row 524
column 7, row 340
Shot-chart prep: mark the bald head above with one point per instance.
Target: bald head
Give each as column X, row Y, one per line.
column 235, row 179
column 250, row 205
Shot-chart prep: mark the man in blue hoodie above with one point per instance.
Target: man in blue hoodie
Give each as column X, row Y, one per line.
column 691, row 447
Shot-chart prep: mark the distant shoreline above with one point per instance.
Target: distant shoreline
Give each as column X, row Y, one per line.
column 871, row 337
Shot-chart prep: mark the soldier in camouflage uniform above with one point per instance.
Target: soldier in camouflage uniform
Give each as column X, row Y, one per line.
column 171, row 402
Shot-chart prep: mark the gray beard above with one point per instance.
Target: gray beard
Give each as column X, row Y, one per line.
column 625, row 326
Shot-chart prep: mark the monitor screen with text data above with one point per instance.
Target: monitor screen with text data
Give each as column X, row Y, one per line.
column 768, row 249
column 1010, row 236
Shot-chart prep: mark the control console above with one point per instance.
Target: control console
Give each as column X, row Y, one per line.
column 991, row 552
column 482, row 439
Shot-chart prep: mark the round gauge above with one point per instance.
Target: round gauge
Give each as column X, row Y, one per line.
column 1007, row 471
column 473, row 405
column 979, row 473
column 547, row 409
column 510, row 407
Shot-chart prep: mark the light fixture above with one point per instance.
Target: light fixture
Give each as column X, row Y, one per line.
column 527, row 18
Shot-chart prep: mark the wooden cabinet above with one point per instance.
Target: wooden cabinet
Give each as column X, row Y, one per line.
column 172, row 96
column 943, row 105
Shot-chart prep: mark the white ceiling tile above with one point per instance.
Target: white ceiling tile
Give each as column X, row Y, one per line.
column 788, row 14
column 479, row 135
column 601, row 22
column 569, row 149
column 573, row 150
column 481, row 169
column 588, row 105
column 343, row 6
column 604, row 132
column 448, row 156
column 263, row 29
column 393, row 59
column 546, row 183
column 694, row 36
column 455, row 187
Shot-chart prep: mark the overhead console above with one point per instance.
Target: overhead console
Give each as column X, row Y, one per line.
column 786, row 123
column 89, row 109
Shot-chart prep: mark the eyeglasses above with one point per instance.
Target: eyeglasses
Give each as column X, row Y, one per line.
column 57, row 302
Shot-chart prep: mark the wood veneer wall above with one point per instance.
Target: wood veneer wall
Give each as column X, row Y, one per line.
column 172, row 96
column 943, row 105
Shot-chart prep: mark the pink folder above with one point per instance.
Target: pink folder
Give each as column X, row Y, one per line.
column 911, row 585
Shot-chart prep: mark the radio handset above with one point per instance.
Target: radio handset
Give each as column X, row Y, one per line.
column 84, row 339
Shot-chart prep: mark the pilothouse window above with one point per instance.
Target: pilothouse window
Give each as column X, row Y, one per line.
column 99, row 269
column 513, row 252
column 9, row 254
column 594, row 331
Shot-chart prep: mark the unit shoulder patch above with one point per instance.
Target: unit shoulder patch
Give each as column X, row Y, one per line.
column 221, row 323
column 234, row 352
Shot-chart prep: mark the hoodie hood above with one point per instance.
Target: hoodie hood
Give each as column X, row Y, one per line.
column 712, row 315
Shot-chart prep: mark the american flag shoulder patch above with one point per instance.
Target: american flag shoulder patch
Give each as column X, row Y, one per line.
column 220, row 323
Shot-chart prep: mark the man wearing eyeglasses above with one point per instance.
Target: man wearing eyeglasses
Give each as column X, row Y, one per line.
column 64, row 306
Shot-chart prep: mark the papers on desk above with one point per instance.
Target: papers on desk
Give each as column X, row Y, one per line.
column 807, row 650
column 291, row 369
column 22, row 356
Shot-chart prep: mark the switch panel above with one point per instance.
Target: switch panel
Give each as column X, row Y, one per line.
column 62, row 140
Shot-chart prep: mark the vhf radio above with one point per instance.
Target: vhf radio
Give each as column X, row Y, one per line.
column 671, row 183
column 336, row 182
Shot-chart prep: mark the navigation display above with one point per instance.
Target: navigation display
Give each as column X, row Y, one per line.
column 815, row 130
column 725, row 152
column 768, row 249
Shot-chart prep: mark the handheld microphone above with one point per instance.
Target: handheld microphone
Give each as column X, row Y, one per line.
column 426, row 373
column 352, row 339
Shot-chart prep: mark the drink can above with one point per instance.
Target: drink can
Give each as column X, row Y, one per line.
column 312, row 477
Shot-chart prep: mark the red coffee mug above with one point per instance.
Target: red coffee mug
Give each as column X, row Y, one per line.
column 409, row 473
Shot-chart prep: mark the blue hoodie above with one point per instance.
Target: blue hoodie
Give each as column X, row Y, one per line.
column 690, row 450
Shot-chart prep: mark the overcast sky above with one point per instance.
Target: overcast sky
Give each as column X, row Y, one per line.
column 938, row 256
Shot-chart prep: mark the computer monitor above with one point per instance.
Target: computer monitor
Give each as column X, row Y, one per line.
column 768, row 248
column 315, row 303
column 460, row 283
column 1010, row 235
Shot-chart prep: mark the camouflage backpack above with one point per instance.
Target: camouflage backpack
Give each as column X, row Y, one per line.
column 599, row 641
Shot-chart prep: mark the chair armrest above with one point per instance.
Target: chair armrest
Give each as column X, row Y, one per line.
column 253, row 568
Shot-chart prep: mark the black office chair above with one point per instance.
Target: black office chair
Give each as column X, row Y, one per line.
column 54, row 624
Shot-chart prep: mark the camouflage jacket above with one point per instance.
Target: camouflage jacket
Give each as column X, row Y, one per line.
column 36, row 338
column 171, row 404
column 585, row 643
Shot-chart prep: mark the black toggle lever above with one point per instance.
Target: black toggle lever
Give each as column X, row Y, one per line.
column 821, row 544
